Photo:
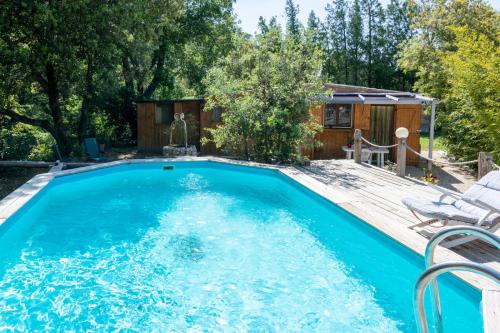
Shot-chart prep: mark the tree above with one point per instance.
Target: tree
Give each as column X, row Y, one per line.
column 374, row 42
column 172, row 49
column 473, row 123
column 314, row 34
column 399, row 17
column 263, row 28
column 433, row 22
column 46, row 58
column 292, row 21
column 355, row 42
column 65, row 79
column 273, row 23
column 336, row 45
column 432, row 54
column 266, row 88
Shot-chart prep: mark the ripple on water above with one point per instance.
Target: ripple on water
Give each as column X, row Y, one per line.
column 222, row 263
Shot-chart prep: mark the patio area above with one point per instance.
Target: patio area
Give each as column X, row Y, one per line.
column 375, row 196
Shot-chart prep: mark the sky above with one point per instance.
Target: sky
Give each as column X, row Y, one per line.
column 248, row 11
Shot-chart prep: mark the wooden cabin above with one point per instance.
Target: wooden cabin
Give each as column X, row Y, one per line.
column 376, row 112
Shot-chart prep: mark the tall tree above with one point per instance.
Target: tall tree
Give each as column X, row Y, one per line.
column 399, row 16
column 374, row 39
column 314, row 33
column 292, row 20
column 263, row 27
column 336, row 43
column 473, row 121
column 355, row 42
column 273, row 22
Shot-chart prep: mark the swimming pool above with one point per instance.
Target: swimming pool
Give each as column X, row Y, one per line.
column 206, row 247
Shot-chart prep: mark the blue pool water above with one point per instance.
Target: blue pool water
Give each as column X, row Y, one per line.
column 206, row 247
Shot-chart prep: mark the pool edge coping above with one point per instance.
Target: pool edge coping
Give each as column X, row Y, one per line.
column 399, row 233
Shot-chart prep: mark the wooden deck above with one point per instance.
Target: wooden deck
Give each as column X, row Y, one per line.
column 377, row 194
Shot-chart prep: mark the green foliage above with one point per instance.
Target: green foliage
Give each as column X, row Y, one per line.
column 74, row 68
column 455, row 56
column 473, row 123
column 105, row 131
column 361, row 41
column 337, row 65
column 355, row 41
column 266, row 88
column 293, row 26
column 24, row 142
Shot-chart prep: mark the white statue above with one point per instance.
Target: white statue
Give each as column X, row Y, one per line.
column 179, row 125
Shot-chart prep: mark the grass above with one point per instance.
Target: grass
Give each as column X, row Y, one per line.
column 438, row 142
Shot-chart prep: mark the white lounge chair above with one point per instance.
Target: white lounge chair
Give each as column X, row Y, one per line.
column 479, row 205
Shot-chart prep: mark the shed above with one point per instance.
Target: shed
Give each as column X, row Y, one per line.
column 155, row 116
column 377, row 112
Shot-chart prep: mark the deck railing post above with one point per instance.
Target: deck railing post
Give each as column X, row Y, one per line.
column 357, row 145
column 484, row 164
column 401, row 134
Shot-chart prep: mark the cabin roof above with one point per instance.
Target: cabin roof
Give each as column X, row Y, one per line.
column 342, row 93
column 179, row 100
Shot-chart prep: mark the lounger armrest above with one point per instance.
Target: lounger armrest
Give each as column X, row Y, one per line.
column 445, row 193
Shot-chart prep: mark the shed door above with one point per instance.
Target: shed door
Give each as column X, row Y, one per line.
column 382, row 124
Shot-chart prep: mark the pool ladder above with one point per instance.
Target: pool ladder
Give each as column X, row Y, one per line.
column 433, row 270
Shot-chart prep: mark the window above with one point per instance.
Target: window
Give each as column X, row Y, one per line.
column 164, row 114
column 338, row 115
column 217, row 114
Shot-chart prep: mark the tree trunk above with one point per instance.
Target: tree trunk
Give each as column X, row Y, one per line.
column 159, row 69
column 83, row 124
column 346, row 55
column 129, row 112
column 370, row 47
column 55, row 110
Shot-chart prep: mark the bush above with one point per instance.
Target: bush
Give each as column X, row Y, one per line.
column 25, row 142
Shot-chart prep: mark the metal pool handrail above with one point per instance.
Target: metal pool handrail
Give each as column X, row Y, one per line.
column 431, row 248
column 433, row 272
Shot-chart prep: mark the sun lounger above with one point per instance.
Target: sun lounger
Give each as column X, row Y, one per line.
column 479, row 206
